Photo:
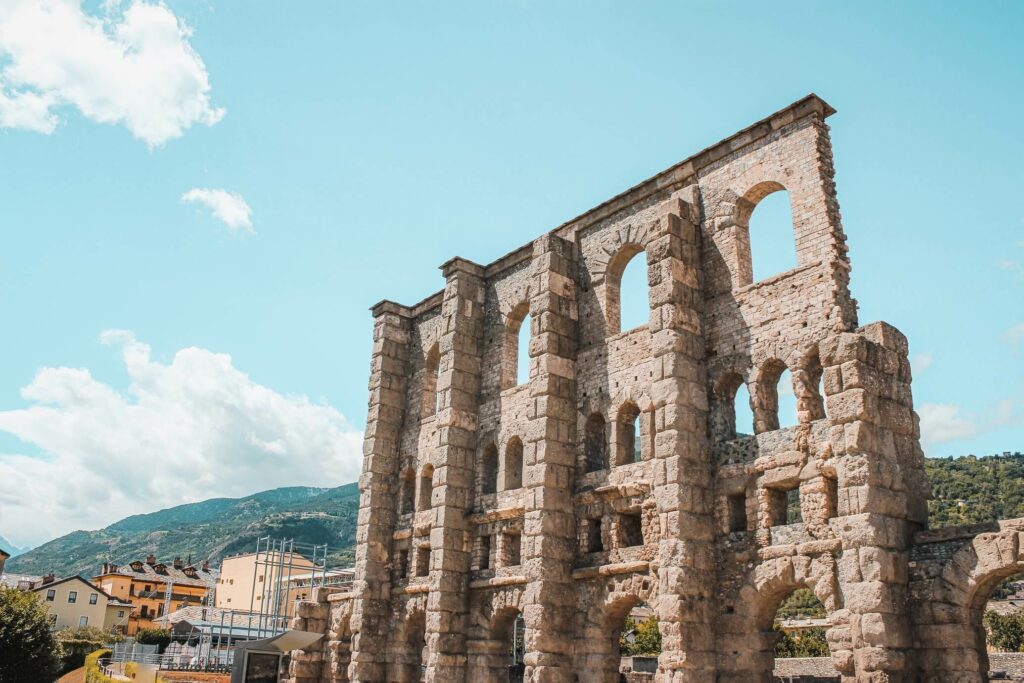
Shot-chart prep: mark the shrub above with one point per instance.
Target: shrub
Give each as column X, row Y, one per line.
column 93, row 673
column 29, row 650
column 154, row 636
column 76, row 643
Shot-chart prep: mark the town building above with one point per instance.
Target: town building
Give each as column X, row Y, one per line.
column 256, row 581
column 4, row 556
column 73, row 602
column 155, row 588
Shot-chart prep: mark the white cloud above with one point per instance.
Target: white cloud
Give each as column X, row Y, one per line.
column 1014, row 337
column 134, row 67
column 185, row 431
column 919, row 362
column 941, row 422
column 229, row 207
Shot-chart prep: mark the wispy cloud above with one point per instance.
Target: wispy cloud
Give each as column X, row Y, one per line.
column 228, row 207
column 942, row 422
column 919, row 362
column 134, row 68
column 1014, row 337
column 185, row 431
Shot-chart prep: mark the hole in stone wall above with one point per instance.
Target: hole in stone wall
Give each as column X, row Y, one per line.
column 1003, row 618
column 794, row 514
column 483, row 552
column 523, row 351
column 772, row 244
column 744, row 415
column 489, row 470
column 594, row 443
column 423, row 561
column 634, row 298
column 408, row 492
column 628, row 447
column 593, row 543
column 426, row 488
column 631, row 530
column 512, row 549
column 738, row 512
column 640, row 634
column 431, row 374
column 402, row 564
column 787, row 400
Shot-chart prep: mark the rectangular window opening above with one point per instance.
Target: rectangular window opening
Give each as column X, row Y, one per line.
column 423, row 561
column 512, row 552
column 483, row 552
column 631, row 530
column 737, row 512
column 593, row 543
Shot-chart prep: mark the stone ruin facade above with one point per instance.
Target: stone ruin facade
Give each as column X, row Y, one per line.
column 484, row 500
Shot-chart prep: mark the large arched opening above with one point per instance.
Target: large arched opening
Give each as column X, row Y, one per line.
column 766, row 213
column 408, row 659
column 627, row 295
column 622, row 637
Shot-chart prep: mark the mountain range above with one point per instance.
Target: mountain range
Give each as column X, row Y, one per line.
column 965, row 490
column 208, row 530
column 12, row 549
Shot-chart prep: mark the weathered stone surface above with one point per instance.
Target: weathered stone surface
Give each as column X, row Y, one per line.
column 616, row 475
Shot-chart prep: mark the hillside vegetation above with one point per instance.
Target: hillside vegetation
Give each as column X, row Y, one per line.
column 208, row 530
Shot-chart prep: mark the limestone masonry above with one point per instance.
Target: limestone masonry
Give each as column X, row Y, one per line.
column 616, row 476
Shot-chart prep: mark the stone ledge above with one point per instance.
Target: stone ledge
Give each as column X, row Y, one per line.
column 341, row 597
column 587, row 573
column 412, row 589
column 499, row 582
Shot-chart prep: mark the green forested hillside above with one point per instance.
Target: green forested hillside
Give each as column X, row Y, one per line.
column 207, row 530
column 973, row 489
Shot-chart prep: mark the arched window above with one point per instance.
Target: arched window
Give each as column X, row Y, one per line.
column 766, row 213
column 787, row 400
column 426, row 488
column 431, row 370
column 725, row 407
column 794, row 625
column 513, row 464
column 744, row 413
column 628, row 433
column 408, row 491
column 627, row 298
column 515, row 363
column 489, row 470
column 766, row 398
column 595, row 451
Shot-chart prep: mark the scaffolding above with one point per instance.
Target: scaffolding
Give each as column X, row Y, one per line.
column 277, row 562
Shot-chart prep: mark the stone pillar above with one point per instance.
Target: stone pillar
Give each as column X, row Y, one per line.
column 682, row 489
column 450, row 542
column 869, row 409
column 378, row 486
column 549, row 531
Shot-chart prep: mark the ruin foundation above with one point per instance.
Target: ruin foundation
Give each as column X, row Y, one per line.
column 545, row 511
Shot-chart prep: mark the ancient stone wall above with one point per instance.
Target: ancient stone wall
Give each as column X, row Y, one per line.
column 497, row 515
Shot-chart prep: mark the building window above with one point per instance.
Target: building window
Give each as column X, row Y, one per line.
column 50, row 595
column 83, row 621
column 93, row 598
column 73, row 596
column 120, row 614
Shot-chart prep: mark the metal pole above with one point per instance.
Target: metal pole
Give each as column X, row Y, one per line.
column 252, row 593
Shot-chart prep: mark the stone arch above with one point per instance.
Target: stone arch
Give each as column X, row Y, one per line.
column 407, row 648
column 512, row 465
column 514, row 318
column 601, row 626
column 746, row 638
column 951, row 633
column 494, row 623
column 634, row 427
column 765, row 395
column 725, row 384
column 607, row 266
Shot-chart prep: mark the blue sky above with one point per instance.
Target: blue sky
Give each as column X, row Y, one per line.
column 373, row 141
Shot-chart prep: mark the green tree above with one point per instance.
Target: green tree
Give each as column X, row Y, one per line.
column 807, row 642
column 30, row 651
column 1005, row 631
column 154, row 636
column 646, row 638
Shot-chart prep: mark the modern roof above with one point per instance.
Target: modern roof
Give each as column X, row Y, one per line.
column 198, row 614
column 17, row 580
column 143, row 571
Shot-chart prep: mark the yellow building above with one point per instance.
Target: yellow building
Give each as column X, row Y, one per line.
column 75, row 602
column 245, row 582
column 151, row 587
